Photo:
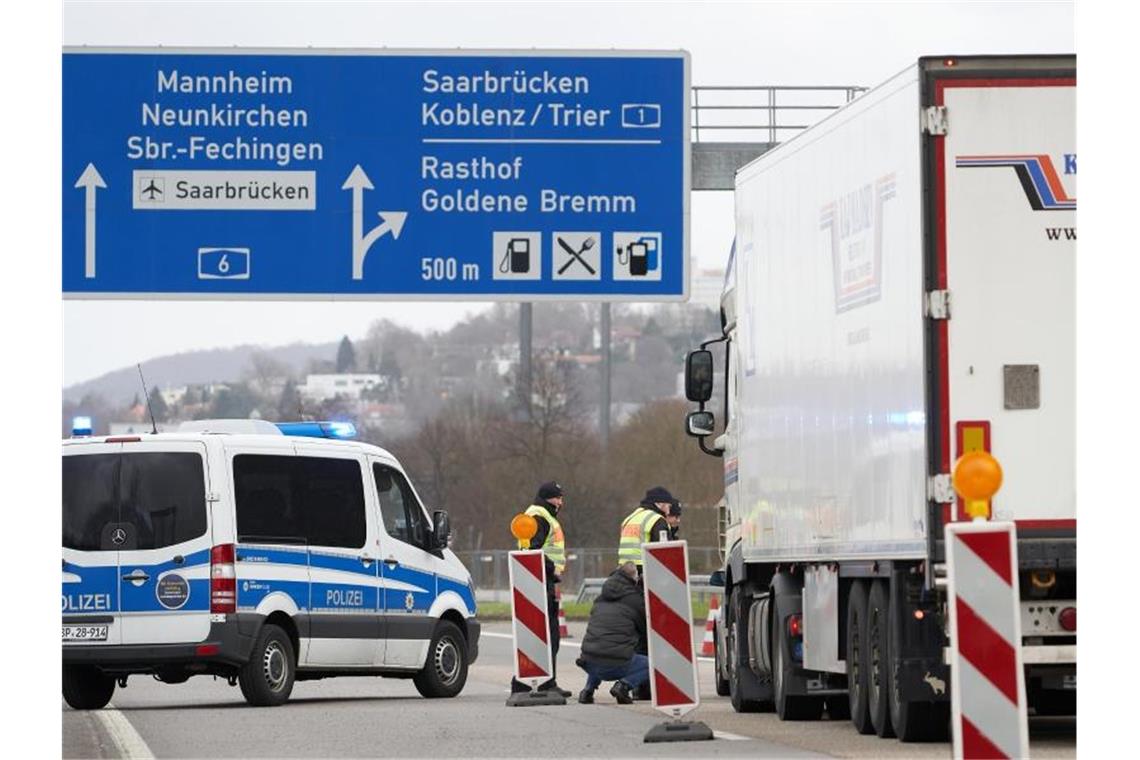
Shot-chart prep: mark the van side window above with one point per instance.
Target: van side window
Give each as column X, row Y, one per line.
column 263, row 492
column 332, row 500
column 403, row 517
column 291, row 500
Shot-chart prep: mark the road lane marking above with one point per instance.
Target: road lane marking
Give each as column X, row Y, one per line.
column 131, row 746
column 730, row 737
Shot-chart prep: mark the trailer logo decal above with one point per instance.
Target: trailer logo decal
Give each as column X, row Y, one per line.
column 855, row 226
column 1038, row 177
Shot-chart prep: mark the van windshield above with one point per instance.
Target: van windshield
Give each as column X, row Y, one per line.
column 157, row 498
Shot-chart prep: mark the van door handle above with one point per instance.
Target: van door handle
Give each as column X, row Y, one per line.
column 366, row 560
column 137, row 575
column 391, row 562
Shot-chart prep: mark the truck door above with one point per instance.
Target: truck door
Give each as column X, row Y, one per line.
column 91, row 524
column 1007, row 248
column 164, row 561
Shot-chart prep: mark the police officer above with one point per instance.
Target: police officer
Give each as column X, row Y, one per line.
column 548, row 502
column 646, row 524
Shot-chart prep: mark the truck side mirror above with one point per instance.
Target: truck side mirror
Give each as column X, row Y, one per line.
column 716, row 578
column 442, row 530
column 699, row 375
column 700, row 424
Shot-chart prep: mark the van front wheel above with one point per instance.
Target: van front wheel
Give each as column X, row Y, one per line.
column 86, row 687
column 267, row 679
column 445, row 672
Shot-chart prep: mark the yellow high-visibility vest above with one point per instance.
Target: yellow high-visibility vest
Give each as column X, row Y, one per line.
column 634, row 532
column 555, row 545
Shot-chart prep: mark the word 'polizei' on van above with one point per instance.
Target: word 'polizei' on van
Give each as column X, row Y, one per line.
column 262, row 553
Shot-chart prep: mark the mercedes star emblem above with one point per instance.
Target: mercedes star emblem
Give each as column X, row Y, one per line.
column 118, row 536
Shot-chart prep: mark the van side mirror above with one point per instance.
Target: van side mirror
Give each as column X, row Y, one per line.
column 716, row 578
column 699, row 424
column 699, row 375
column 442, row 530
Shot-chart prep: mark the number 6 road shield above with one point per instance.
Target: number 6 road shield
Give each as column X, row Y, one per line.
column 529, row 617
column 668, row 604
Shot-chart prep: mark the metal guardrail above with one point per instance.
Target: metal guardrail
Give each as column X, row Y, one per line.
column 723, row 109
column 489, row 573
column 592, row 587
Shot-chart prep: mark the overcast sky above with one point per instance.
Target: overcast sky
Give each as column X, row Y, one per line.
column 797, row 43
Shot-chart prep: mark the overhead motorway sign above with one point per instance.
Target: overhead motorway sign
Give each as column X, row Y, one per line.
column 376, row 174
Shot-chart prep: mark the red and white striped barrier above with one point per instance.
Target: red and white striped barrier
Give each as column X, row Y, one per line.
column 987, row 678
column 529, row 617
column 708, row 643
column 672, row 664
column 563, row 630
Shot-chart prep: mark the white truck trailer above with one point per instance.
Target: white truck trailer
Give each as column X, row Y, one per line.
column 901, row 291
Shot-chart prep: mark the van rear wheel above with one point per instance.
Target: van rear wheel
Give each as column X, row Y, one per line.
column 86, row 687
column 445, row 672
column 267, row 679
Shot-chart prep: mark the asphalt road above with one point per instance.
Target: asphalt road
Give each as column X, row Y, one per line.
column 372, row 717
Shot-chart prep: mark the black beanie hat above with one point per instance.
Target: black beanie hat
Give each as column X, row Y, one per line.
column 659, row 495
column 548, row 490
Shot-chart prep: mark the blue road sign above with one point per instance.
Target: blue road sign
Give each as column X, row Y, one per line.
column 375, row 175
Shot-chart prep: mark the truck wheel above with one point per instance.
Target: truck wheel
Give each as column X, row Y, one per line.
column 267, row 679
column 736, row 647
column 86, row 687
column 788, row 707
column 719, row 679
column 445, row 672
column 878, row 658
column 857, row 658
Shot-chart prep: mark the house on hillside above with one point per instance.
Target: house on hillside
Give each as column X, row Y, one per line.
column 323, row 387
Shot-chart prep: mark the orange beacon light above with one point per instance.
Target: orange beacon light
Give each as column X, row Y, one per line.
column 977, row 477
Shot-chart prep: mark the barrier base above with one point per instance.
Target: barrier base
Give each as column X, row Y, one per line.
column 678, row 731
column 535, row 699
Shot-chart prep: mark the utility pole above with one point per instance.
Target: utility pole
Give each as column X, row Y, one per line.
column 526, row 323
column 604, row 406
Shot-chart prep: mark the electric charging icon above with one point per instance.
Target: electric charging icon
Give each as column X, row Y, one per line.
column 637, row 256
column 516, row 255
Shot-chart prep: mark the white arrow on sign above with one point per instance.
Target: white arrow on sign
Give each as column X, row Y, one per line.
column 390, row 221
column 90, row 180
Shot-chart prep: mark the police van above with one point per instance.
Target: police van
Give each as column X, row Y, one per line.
column 262, row 553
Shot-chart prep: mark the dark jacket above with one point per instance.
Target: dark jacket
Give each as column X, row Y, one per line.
column 617, row 622
column 658, row 525
column 540, row 538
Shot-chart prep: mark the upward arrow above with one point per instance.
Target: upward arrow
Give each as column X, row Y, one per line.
column 390, row 221
column 91, row 180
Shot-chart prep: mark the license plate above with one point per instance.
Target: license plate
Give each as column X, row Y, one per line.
column 85, row 632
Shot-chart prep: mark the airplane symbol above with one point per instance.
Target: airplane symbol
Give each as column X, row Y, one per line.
column 151, row 190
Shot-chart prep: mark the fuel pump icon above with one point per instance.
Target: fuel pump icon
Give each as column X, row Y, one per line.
column 637, row 255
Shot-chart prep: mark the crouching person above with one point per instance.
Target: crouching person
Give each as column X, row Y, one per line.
column 617, row 622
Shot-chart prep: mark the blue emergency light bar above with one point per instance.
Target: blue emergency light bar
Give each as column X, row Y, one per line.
column 341, row 430
column 80, row 426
